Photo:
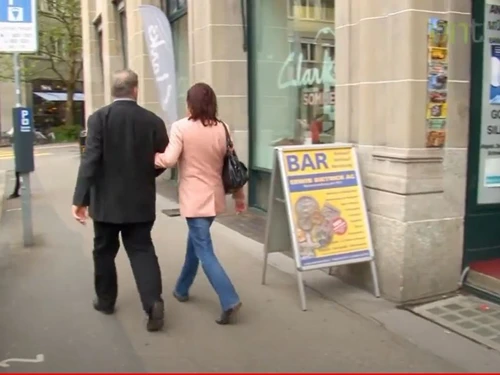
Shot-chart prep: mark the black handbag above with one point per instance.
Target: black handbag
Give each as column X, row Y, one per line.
column 234, row 172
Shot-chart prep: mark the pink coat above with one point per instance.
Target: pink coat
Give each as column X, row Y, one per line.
column 199, row 151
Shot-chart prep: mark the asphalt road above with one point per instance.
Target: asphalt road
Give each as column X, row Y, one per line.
column 46, row 293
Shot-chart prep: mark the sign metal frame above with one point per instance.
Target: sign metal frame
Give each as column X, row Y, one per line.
column 280, row 236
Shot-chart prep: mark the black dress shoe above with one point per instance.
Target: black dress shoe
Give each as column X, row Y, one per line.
column 103, row 308
column 156, row 317
column 227, row 316
column 14, row 196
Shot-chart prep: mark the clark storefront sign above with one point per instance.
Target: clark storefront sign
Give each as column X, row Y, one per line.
column 158, row 36
column 325, row 75
column 310, row 79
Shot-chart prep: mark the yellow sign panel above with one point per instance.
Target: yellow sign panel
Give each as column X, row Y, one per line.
column 326, row 205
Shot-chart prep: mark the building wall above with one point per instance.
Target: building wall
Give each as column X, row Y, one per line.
column 415, row 195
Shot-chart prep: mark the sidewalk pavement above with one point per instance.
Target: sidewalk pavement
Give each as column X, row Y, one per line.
column 46, row 294
column 3, row 181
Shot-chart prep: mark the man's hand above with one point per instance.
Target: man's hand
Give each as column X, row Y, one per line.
column 80, row 213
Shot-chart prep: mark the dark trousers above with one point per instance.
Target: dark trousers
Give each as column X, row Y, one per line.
column 136, row 238
column 18, row 184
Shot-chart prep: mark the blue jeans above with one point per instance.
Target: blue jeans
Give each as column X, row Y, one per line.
column 200, row 249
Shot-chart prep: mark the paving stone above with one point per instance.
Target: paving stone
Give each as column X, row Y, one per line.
column 496, row 339
column 437, row 311
column 451, row 318
column 484, row 320
column 485, row 332
column 453, row 307
column 468, row 325
column 468, row 313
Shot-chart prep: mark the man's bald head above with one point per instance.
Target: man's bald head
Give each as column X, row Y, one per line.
column 125, row 84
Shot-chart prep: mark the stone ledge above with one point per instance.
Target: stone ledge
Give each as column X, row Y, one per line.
column 408, row 155
column 402, row 185
column 403, row 171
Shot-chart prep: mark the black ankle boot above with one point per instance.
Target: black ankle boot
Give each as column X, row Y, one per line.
column 180, row 298
column 227, row 316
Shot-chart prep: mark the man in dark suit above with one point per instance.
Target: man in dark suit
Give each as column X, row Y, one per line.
column 116, row 180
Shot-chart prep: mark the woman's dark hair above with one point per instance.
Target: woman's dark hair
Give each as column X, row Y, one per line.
column 202, row 104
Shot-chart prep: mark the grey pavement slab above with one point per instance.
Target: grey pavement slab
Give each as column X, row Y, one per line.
column 467, row 315
column 46, row 294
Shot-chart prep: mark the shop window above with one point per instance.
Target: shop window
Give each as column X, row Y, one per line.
column 51, row 47
column 100, row 49
column 46, row 5
column 181, row 55
column 328, row 10
column 122, row 23
column 293, row 75
column 98, row 30
column 176, row 8
column 311, row 9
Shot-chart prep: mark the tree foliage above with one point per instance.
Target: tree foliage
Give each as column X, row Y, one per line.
column 59, row 54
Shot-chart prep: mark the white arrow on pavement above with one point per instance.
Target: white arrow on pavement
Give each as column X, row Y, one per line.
column 39, row 358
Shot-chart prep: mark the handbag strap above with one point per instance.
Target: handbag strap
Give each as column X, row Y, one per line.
column 229, row 142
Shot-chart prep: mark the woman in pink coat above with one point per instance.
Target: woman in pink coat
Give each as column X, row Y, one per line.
column 198, row 145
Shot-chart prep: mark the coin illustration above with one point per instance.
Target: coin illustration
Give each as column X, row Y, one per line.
column 323, row 234
column 317, row 218
column 330, row 212
column 305, row 206
column 305, row 223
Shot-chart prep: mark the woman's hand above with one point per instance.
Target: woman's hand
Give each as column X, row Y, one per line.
column 240, row 204
column 158, row 161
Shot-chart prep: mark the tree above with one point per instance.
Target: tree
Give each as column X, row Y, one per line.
column 59, row 49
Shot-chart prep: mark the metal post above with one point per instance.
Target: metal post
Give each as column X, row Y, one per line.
column 17, row 79
column 302, row 291
column 25, row 177
column 376, row 288
column 264, row 266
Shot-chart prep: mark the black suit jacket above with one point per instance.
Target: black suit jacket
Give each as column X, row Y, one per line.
column 117, row 174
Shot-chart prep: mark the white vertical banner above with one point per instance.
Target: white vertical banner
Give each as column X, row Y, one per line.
column 158, row 36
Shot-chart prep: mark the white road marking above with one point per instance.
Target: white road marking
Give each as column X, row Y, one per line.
column 13, row 209
column 44, row 147
column 9, row 157
column 39, row 358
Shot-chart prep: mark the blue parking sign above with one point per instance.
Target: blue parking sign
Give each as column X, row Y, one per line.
column 16, row 11
column 18, row 26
